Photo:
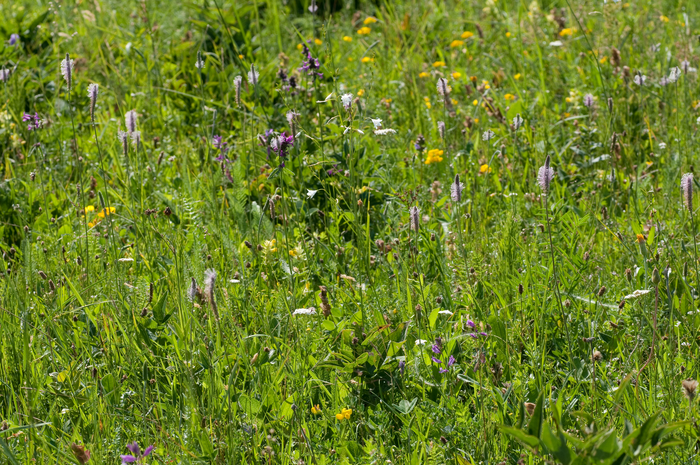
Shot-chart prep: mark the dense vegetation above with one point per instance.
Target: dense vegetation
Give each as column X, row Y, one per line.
column 349, row 232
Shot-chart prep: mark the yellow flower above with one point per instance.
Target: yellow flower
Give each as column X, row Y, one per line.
column 367, row 59
column 484, row 168
column 509, row 97
column 347, row 39
column 603, row 60
column 91, row 224
column 429, row 105
column 370, row 20
column 299, row 46
column 90, row 208
column 508, row 34
column 456, row 43
column 476, row 120
column 240, row 57
column 454, row 102
column 566, row 32
column 516, row 77
column 106, row 211
column 316, row 409
column 663, row 18
column 351, row 59
column 437, row 64
column 293, row 253
column 424, row 75
column 360, row 92
column 318, row 41
column 339, row 416
column 467, row 34
column 363, row 31
column 472, row 79
column 475, row 102
column 641, row 239
column 456, row 75
column 346, row 413
column 434, row 156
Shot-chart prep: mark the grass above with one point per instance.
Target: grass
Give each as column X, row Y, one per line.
column 266, row 274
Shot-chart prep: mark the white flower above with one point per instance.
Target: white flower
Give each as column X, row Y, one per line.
column 384, row 132
column 488, row 135
column 655, row 47
column 556, row 43
column 305, row 311
column 442, row 87
column 517, row 122
column 421, row 342
column 637, row 293
column 310, row 193
column 67, row 70
column 640, row 79
column 136, row 138
column 675, row 74
column 445, row 312
column 4, row 74
column 662, row 145
column 199, row 63
column 377, row 123
column 126, row 259
column 347, row 100
column 130, row 119
column 253, row 75
column 698, row 120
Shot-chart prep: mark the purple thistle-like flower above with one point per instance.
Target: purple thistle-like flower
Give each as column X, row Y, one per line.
column 545, row 175
column 137, row 456
column 687, row 190
column 456, row 190
column 281, row 143
column 436, row 349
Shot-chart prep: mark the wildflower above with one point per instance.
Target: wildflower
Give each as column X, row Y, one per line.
column 509, row 97
column 674, row 75
column 442, row 87
column 210, row 289
column 517, row 77
column 556, row 43
column 281, row 144
column 456, row 190
column 566, row 32
column 434, row 156
column 90, row 208
column 130, row 120
column 34, row 122
column 441, row 129
column 4, row 74
column 517, row 122
column 467, row 34
column 664, row 19
column 318, row 41
column 423, row 75
column 436, row 349
column 366, row 59
column 369, row 20
column 360, row 92
column 488, row 135
column 687, row 190
column 588, row 100
column 690, row 387
column 136, row 450
column 313, row 8
column 136, row 139
column 363, row 31
column 685, row 66
column 415, row 220
column 384, row 132
column 219, row 144
column 436, row 360
column 199, row 63
column 438, row 64
column 402, row 367
column 237, row 84
column 640, row 79
column 485, row 168
column 316, row 409
column 346, row 99
column 67, row 70
column 637, row 293
column 253, row 75
column 640, row 239
column 344, row 414
column 92, row 94
column 124, row 139
column 377, row 122
column 456, row 43
column 311, row 65
column 419, row 145
column 545, row 175
column 305, row 311
column 347, row 39
column 14, row 39
column 106, row 212
column 291, row 119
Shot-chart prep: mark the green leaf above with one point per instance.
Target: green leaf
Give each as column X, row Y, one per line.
column 159, row 310
column 520, row 435
column 556, row 444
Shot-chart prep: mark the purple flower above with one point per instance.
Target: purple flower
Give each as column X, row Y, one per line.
column 220, row 145
column 444, row 370
column 451, row 361
column 471, row 324
column 402, row 367
column 281, row 143
column 484, row 334
column 436, row 349
column 588, row 100
column 436, row 360
column 311, row 65
column 34, row 122
column 136, row 450
column 14, row 38
column 473, row 335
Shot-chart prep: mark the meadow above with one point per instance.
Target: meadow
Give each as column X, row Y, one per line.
column 360, row 232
